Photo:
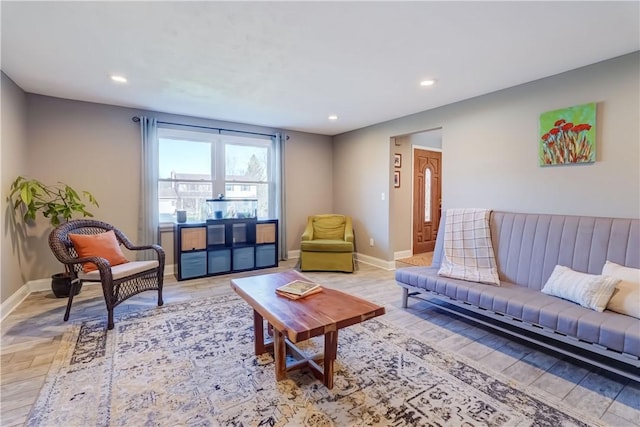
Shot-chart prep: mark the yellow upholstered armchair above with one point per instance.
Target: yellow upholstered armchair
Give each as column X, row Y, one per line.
column 327, row 244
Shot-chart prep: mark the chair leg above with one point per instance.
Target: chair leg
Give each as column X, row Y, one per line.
column 110, row 318
column 72, row 291
column 160, row 285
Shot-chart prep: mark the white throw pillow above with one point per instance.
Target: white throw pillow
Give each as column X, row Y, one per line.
column 588, row 290
column 626, row 297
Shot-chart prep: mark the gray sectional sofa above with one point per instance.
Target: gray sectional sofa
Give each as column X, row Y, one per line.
column 527, row 248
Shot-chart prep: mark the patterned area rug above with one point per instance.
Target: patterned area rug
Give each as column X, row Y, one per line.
column 193, row 364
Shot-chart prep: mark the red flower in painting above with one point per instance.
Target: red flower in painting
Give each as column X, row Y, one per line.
column 567, row 143
column 581, row 127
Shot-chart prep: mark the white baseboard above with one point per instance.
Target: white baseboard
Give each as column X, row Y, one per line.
column 169, row 270
column 293, row 254
column 402, row 254
column 376, row 262
column 13, row 301
column 39, row 285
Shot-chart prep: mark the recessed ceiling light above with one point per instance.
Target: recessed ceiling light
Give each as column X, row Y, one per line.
column 333, row 117
column 118, row 79
column 429, row 82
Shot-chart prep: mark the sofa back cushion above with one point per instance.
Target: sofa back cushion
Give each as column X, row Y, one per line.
column 529, row 246
column 329, row 227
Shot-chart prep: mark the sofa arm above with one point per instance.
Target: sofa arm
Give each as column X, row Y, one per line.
column 308, row 230
column 348, row 230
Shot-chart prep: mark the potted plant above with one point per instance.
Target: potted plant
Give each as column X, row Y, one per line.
column 58, row 203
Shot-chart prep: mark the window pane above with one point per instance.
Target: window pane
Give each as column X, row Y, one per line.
column 251, row 191
column 245, row 163
column 195, row 165
column 427, row 195
column 182, row 159
column 188, row 196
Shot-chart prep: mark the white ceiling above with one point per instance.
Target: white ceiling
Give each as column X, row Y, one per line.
column 291, row 64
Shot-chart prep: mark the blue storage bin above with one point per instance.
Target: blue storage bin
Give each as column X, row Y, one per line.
column 193, row 264
column 266, row 256
column 243, row 258
column 219, row 261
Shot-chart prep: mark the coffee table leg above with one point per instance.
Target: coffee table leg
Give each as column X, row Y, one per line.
column 258, row 329
column 280, row 354
column 330, row 352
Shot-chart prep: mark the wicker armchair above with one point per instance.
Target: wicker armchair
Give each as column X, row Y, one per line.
column 118, row 282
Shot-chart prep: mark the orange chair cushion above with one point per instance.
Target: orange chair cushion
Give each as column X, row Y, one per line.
column 104, row 245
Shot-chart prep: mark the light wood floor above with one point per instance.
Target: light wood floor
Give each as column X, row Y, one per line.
column 31, row 335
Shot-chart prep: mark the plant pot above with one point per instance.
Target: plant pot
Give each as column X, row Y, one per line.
column 61, row 285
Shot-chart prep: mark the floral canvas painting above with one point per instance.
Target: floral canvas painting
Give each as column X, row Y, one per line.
column 568, row 136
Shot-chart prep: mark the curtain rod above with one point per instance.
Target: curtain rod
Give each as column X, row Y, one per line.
column 137, row 119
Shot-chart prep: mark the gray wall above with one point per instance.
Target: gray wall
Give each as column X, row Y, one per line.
column 362, row 176
column 309, row 186
column 490, row 153
column 13, row 162
column 91, row 147
column 96, row 147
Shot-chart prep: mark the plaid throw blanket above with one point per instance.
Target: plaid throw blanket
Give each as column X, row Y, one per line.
column 468, row 251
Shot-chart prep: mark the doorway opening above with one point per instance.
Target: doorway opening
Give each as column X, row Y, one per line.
column 415, row 192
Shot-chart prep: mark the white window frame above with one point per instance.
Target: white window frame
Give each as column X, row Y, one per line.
column 219, row 140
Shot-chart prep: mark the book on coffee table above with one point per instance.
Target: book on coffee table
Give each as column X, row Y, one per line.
column 298, row 289
column 295, row 297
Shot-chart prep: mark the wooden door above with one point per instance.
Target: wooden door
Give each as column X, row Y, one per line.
column 426, row 199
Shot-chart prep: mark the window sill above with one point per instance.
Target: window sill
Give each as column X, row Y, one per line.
column 165, row 227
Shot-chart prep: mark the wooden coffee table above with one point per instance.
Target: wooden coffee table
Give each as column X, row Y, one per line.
column 292, row 321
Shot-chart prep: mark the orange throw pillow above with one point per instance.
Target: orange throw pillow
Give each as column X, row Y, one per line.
column 104, row 245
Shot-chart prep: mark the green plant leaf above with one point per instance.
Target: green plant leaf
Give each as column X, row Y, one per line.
column 25, row 195
column 55, row 202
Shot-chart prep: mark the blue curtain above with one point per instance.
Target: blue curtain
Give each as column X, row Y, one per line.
column 148, row 213
column 281, row 204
